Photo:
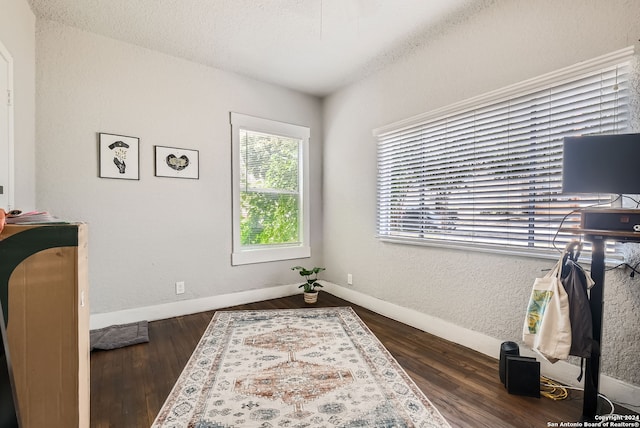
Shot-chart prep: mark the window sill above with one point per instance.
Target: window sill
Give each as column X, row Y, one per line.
column 263, row 255
column 545, row 254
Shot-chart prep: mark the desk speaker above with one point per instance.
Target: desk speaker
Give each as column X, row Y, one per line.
column 506, row 348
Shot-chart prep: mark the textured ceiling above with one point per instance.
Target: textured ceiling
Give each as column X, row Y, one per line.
column 314, row 46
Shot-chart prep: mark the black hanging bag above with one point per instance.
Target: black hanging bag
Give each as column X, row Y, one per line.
column 576, row 283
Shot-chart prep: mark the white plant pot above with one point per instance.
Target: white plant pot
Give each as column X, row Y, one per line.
column 311, row 297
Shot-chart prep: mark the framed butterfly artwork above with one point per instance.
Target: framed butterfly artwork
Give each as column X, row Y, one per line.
column 176, row 163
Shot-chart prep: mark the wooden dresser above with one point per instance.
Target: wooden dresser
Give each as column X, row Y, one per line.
column 44, row 279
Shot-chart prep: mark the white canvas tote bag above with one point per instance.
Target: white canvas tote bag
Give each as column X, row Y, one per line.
column 547, row 329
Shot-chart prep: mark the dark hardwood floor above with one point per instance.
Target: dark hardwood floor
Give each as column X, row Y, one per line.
column 129, row 385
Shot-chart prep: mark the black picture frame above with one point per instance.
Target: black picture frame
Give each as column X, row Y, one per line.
column 176, row 162
column 119, row 156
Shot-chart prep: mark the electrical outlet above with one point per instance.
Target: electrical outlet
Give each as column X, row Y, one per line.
column 180, row 287
column 349, row 279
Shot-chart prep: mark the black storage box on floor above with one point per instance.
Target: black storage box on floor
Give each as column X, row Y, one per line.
column 523, row 376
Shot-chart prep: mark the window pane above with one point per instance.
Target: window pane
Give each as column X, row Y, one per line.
column 269, row 162
column 269, row 177
column 268, row 218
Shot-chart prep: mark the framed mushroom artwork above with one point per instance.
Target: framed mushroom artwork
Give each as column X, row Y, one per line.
column 119, row 156
column 176, row 163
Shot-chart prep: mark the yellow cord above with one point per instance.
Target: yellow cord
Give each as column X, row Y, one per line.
column 552, row 389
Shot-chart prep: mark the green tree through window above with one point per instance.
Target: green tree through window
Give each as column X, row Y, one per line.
column 270, row 189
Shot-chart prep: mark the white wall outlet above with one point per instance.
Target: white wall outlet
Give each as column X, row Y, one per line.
column 180, row 287
column 349, row 279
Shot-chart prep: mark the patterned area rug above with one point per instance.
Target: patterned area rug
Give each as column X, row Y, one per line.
column 294, row 368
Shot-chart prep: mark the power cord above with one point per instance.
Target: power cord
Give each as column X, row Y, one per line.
column 577, row 210
column 634, row 269
column 557, row 391
column 552, row 389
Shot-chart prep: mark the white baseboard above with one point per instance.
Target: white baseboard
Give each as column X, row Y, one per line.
column 186, row 307
column 616, row 390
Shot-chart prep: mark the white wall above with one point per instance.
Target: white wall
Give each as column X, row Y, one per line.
column 506, row 43
column 145, row 235
column 17, row 33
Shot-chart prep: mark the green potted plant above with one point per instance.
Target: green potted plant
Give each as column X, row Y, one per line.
column 311, row 275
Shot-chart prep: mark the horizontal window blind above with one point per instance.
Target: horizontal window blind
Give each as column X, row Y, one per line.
column 490, row 172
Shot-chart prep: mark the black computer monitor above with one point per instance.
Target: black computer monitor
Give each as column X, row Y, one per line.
column 601, row 164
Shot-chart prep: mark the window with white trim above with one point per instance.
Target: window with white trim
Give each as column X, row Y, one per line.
column 270, row 190
column 487, row 173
